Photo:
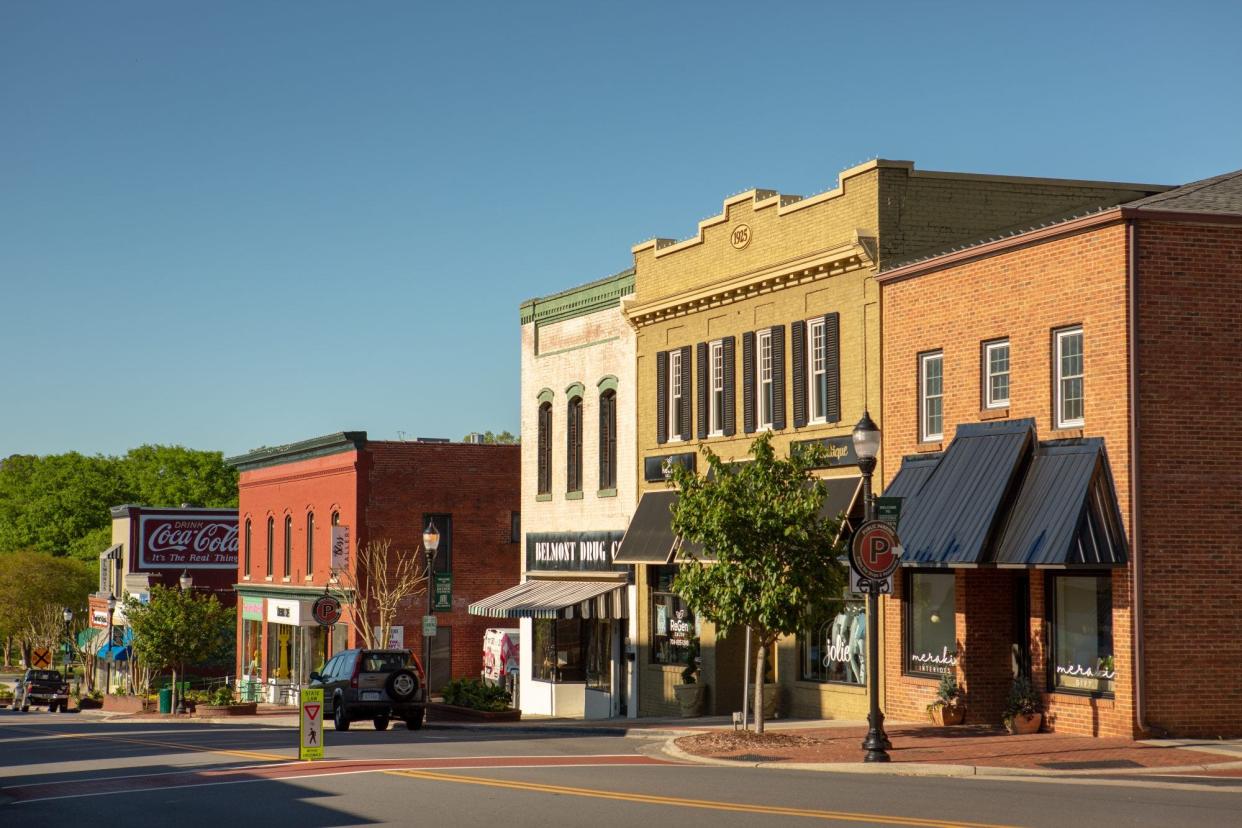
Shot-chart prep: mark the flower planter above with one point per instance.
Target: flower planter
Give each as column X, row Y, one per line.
column 124, row 704
column 946, row 715
column 453, row 713
column 1021, row 724
column 690, row 698
column 205, row 711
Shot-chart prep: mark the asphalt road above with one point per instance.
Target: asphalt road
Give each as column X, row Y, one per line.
column 65, row 769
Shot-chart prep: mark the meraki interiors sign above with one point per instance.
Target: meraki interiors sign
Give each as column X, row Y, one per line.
column 187, row 541
column 573, row 551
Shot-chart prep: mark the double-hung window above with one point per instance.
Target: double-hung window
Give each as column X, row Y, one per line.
column 817, row 360
column 675, row 400
column 767, row 401
column 573, row 455
column 716, row 392
column 931, row 396
column 996, row 374
column 1069, row 377
column 288, row 545
column 310, row 544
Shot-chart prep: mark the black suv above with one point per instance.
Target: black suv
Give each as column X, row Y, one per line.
column 373, row 684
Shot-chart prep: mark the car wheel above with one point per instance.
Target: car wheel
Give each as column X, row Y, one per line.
column 25, row 708
column 415, row 722
column 402, row 685
column 381, row 722
column 339, row 720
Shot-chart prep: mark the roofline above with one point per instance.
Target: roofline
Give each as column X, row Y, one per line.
column 328, row 444
column 580, row 300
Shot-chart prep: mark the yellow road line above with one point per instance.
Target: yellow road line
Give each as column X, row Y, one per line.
column 773, row 810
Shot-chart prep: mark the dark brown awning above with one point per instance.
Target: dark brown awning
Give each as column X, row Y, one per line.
column 649, row 537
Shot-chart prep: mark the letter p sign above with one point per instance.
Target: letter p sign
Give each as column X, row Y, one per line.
column 875, row 550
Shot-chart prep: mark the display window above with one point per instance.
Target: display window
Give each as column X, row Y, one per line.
column 559, row 650
column 674, row 629
column 252, row 647
column 1082, row 634
column 834, row 648
column 280, row 651
column 599, row 655
column 931, row 625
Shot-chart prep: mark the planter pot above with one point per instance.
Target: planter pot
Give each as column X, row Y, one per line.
column 948, row 714
column 691, row 698
column 204, row 711
column 124, row 704
column 771, row 699
column 1021, row 725
column 453, row 713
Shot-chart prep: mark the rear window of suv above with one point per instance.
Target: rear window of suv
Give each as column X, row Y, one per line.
column 383, row 662
column 42, row 675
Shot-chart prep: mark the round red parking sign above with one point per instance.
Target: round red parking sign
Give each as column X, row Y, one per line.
column 326, row 610
column 874, row 552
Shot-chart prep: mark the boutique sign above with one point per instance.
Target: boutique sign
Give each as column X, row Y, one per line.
column 573, row 551
column 187, row 542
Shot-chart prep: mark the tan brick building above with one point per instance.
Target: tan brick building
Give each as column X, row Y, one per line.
column 1060, row 397
column 768, row 318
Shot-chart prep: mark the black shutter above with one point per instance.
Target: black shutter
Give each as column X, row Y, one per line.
column 545, row 428
column 603, row 441
column 778, row 377
column 701, row 364
column 832, row 365
column 683, row 416
column 573, row 441
column 730, row 415
column 610, row 450
column 798, row 336
column 748, row 382
column 662, row 397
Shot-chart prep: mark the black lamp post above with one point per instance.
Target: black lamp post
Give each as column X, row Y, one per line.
column 867, row 447
column 67, row 615
column 108, row 662
column 186, row 583
column 431, row 542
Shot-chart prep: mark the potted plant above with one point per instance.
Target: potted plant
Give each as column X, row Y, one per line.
column 1023, row 710
column 949, row 706
column 690, row 693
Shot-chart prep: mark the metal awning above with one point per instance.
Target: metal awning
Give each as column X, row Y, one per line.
column 649, row 537
column 556, row 599
column 957, row 513
column 1066, row 512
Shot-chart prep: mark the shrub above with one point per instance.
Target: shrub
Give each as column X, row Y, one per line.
column 222, row 695
column 949, row 692
column 476, row 695
column 1023, row 700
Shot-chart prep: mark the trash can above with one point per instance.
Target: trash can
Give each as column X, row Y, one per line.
column 166, row 700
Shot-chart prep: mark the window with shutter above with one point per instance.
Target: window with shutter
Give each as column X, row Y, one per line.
column 683, row 419
column 246, row 567
column 271, row 542
column 545, row 449
column 728, row 378
column 573, row 436
column 701, row 363
column 608, row 440
column 748, row 382
column 797, row 332
column 662, row 361
column 763, row 378
column 823, row 370
column 778, row 377
column 832, row 367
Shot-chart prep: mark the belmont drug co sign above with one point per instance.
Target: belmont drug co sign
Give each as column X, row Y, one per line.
column 187, row 542
column 573, row 551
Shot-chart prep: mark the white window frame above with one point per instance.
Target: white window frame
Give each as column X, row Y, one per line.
column 926, row 434
column 715, row 389
column 764, row 377
column 988, row 400
column 674, row 395
column 1061, row 378
column 817, row 366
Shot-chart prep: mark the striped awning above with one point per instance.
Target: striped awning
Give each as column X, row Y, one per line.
column 556, row 599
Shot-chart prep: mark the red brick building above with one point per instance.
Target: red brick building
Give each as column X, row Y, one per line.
column 1057, row 411
column 291, row 497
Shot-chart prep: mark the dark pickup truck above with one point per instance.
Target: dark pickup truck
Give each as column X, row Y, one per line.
column 41, row 688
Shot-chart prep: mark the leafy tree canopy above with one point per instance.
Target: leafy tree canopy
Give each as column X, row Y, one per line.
column 503, row 438
column 178, row 627
column 34, row 590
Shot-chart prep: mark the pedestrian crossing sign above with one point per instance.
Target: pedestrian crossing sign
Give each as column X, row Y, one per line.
column 310, row 724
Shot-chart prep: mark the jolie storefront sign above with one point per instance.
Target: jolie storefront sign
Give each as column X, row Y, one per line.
column 573, row 551
column 187, row 542
column 838, row 451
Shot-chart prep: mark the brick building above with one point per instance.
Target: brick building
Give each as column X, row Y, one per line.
column 573, row 605
column 767, row 318
column 1057, row 417
column 291, row 497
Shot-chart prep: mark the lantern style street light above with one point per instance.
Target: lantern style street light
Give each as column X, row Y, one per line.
column 108, row 669
column 67, row 615
column 866, row 439
column 186, row 581
column 431, row 542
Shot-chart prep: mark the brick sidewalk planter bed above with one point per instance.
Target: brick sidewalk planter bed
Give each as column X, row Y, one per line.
column 453, row 713
column 204, row 711
column 124, row 704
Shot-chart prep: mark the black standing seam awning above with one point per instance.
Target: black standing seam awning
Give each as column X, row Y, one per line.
column 649, row 537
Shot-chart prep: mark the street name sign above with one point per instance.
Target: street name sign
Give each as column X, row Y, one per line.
column 310, row 724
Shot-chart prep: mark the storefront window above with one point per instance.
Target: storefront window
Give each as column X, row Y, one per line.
column 835, row 648
column 1082, row 628
column 340, row 637
column 252, row 647
column 599, row 655
column 931, row 633
column 673, row 629
column 280, row 651
column 558, row 649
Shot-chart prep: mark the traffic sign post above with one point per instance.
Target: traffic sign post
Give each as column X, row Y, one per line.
column 875, row 555
column 310, row 724
column 429, row 626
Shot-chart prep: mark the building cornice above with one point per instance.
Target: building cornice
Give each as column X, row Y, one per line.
column 593, row 297
column 860, row 253
column 324, row 446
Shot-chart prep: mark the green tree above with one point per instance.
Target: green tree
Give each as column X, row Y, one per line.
column 34, row 590
column 176, row 627
column 772, row 562
column 504, row 438
column 172, row 475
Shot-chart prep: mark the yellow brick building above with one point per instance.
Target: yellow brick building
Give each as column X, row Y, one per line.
column 768, row 317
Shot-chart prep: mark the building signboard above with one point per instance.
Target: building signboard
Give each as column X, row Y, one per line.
column 340, row 547
column 838, row 451
column 573, row 551
column 186, row 541
column 443, row 592
column 252, row 608
column 290, row 612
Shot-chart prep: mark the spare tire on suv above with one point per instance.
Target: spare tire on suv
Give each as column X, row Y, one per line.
column 402, row 685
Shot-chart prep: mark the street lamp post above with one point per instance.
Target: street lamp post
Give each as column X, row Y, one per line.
column 67, row 615
column 866, row 439
column 186, row 583
column 108, row 661
column 431, row 542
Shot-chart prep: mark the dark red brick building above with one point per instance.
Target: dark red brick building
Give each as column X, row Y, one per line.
column 291, row 498
column 1059, row 415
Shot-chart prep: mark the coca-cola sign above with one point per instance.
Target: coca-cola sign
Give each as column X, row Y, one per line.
column 187, row 542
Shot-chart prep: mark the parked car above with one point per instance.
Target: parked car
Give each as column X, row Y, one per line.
column 379, row 685
column 41, row 688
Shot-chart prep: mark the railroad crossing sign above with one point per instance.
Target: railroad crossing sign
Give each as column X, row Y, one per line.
column 41, row 658
column 876, row 552
column 310, row 724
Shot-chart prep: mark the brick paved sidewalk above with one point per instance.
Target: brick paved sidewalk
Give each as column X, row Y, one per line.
column 965, row 745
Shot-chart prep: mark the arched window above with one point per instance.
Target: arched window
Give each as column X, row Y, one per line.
column 545, row 448
column 608, row 440
column 288, row 545
column 246, row 550
column 573, row 438
column 336, row 518
column 271, row 542
column 310, row 543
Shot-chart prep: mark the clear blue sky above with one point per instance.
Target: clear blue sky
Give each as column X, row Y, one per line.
column 227, row 225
